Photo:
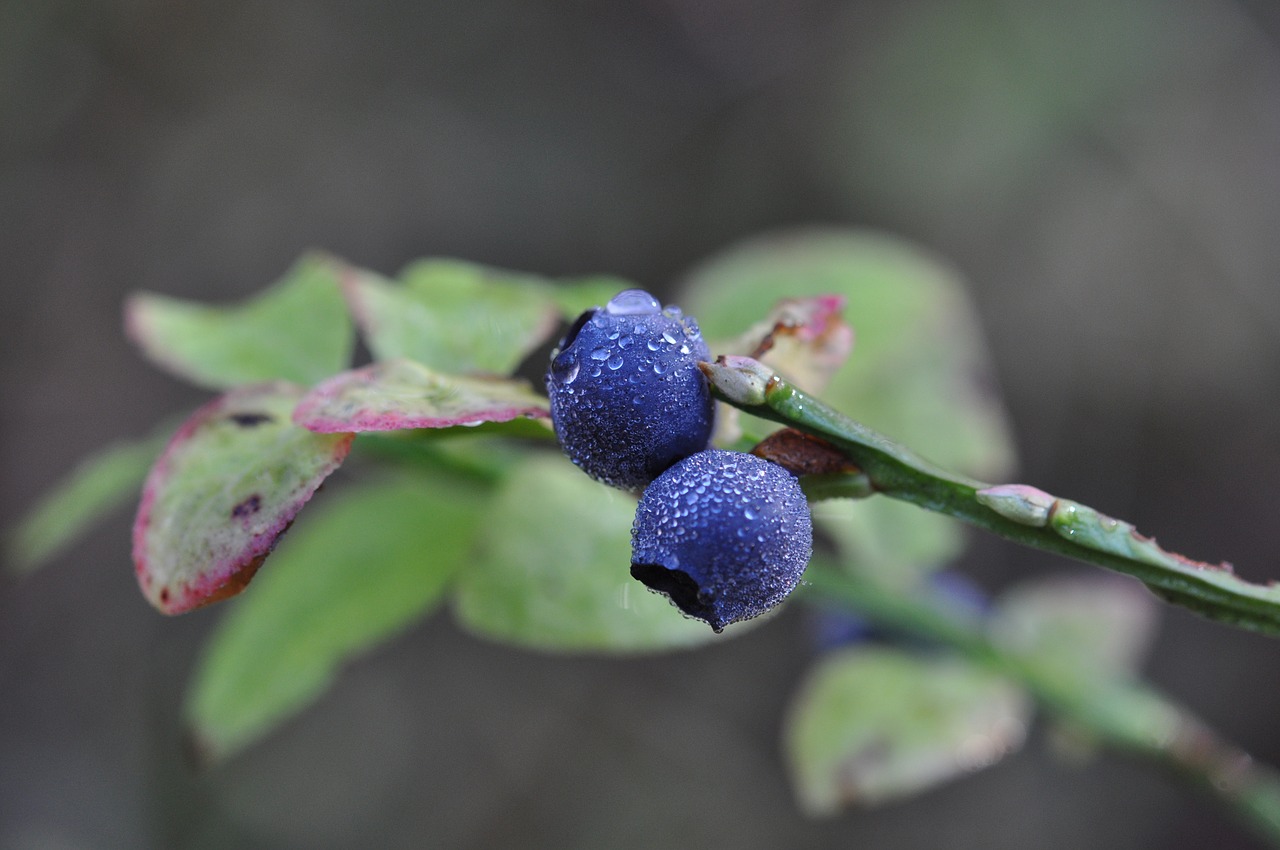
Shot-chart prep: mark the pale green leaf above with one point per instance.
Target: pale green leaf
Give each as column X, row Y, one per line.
column 1084, row 628
column 228, row 484
column 454, row 316
column 297, row 330
column 919, row 371
column 870, row 725
column 100, row 483
column 553, row 571
column 361, row 568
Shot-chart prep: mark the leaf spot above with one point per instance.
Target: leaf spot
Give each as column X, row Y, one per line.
column 250, row 420
column 248, row 507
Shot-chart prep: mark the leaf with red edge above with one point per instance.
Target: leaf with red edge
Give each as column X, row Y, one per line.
column 226, row 487
column 399, row 394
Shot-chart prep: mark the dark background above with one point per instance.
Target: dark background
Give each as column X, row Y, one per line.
column 1105, row 173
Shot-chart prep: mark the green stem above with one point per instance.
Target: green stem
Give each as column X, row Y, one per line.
column 1120, row 714
column 1016, row 512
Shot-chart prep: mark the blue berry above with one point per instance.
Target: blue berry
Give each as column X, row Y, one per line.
column 627, row 398
column 725, row 535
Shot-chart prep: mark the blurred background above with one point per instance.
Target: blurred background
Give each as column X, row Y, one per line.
column 1106, row 174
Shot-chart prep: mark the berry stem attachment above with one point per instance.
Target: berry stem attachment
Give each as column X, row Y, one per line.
column 1016, row 512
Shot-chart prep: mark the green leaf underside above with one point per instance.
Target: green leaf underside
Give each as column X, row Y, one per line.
column 100, row 483
column 918, row 372
column 1082, row 627
column 400, row 394
column 870, row 725
column 555, row 572
column 894, row 543
column 226, row 487
column 296, row 330
column 358, row 570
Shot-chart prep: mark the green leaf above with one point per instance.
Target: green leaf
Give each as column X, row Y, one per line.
column 226, row 487
column 399, row 394
column 919, row 371
column 1082, row 627
column 872, row 725
column 98, row 484
column 297, row 330
column 357, row 571
column 554, row 571
column 454, row 316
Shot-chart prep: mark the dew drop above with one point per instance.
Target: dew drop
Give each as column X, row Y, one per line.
column 633, row 302
column 660, row 368
column 564, row 368
column 747, row 513
column 600, row 354
column 625, row 342
column 653, row 345
column 669, row 337
column 615, row 363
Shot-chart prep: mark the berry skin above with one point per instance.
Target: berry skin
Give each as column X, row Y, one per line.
column 627, row 398
column 725, row 535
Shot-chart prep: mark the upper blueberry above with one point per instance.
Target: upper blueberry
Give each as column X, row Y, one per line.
column 627, row 398
column 725, row 535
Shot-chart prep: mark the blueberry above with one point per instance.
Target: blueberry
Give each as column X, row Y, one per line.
column 627, row 398
column 725, row 535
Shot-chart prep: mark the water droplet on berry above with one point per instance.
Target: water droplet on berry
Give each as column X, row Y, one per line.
column 633, row 302
column 669, row 337
column 615, row 363
column 600, row 354
column 564, row 368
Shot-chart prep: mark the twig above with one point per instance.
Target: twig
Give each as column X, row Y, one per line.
column 1013, row 511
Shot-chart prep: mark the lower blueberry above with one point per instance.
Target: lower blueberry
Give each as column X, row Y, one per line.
column 725, row 535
